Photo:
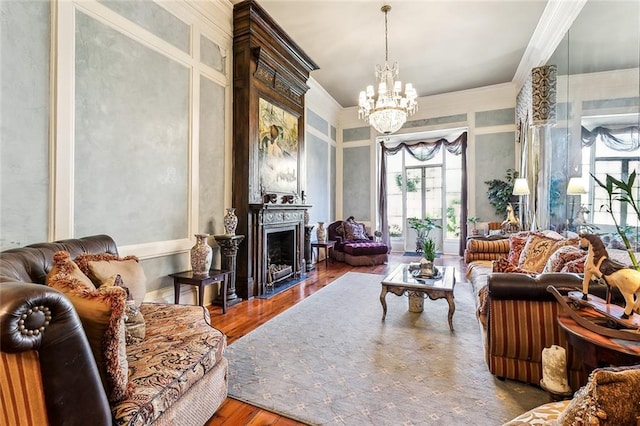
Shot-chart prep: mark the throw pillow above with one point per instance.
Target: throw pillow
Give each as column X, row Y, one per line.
column 503, row 265
column 99, row 267
column 516, row 244
column 62, row 264
column 101, row 312
column 559, row 259
column 537, row 250
column 353, row 231
column 134, row 324
column 610, row 397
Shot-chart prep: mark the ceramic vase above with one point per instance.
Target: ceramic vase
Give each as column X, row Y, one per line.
column 321, row 233
column 201, row 256
column 230, row 221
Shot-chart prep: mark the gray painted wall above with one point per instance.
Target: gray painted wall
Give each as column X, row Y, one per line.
column 24, row 122
column 212, row 119
column 317, row 122
column 154, row 19
column 356, row 134
column 495, row 117
column 318, row 195
column 495, row 153
column 357, row 182
column 332, row 180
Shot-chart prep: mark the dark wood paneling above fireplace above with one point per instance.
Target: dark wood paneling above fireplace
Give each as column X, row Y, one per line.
column 268, row 65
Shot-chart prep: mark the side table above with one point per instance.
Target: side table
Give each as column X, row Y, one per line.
column 215, row 275
column 598, row 350
column 328, row 246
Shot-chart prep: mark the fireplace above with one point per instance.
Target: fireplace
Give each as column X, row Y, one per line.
column 281, row 250
column 278, row 244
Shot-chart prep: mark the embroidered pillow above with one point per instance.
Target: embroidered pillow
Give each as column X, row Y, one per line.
column 62, row 264
column 101, row 312
column 503, row 265
column 99, row 267
column 538, row 249
column 610, row 397
column 516, row 244
column 353, row 231
column 562, row 256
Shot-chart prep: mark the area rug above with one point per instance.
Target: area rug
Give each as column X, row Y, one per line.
column 331, row 360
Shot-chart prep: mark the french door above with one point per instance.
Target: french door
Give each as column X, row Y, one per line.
column 430, row 188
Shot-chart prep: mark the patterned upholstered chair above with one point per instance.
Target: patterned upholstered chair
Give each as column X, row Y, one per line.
column 355, row 245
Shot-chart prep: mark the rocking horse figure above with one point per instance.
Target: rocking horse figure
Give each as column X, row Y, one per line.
column 511, row 223
column 614, row 274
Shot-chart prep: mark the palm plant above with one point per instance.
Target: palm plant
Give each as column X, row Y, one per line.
column 619, row 190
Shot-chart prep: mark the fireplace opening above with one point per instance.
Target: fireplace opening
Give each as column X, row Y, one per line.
column 280, row 258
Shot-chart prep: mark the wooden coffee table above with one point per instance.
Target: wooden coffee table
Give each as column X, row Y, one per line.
column 400, row 282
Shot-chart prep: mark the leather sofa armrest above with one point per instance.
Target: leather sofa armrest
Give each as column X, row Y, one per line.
column 514, row 286
column 73, row 391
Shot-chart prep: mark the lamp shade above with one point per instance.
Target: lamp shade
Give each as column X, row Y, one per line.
column 520, row 187
column 576, row 186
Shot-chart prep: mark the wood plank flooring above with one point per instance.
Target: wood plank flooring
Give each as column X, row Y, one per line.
column 245, row 316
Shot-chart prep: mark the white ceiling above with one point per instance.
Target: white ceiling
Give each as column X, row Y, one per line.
column 440, row 45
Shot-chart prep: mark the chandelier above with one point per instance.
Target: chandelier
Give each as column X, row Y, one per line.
column 389, row 112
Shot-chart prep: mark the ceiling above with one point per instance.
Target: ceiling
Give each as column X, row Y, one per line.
column 440, row 46
column 444, row 46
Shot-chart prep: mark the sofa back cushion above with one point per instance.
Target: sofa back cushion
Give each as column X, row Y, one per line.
column 31, row 264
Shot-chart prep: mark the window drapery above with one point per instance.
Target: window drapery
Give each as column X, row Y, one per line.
column 626, row 139
column 424, row 150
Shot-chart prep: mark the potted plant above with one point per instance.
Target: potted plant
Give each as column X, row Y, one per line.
column 500, row 192
column 428, row 256
column 474, row 222
column 422, row 227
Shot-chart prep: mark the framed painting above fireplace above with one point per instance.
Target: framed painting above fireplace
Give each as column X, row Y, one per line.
column 278, row 149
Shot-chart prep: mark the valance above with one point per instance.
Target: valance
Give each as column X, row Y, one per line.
column 624, row 139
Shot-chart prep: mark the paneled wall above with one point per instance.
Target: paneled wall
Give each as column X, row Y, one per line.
column 322, row 113
column 25, row 31
column 131, row 139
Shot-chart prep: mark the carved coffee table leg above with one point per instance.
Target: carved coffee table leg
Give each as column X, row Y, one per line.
column 383, row 301
column 452, row 309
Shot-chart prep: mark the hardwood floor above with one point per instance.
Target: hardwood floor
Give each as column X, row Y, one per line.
column 245, row 316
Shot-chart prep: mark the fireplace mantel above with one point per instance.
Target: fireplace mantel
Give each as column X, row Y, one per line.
column 274, row 218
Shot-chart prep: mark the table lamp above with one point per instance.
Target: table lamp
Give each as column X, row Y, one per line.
column 520, row 188
column 575, row 187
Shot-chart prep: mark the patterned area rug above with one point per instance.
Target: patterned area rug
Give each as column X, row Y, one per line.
column 331, row 360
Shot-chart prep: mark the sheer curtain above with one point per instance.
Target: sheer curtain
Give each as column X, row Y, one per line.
column 424, row 150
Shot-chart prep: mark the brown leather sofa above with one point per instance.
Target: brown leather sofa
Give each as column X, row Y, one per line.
column 40, row 330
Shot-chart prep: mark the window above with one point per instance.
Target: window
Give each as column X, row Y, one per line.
column 612, row 151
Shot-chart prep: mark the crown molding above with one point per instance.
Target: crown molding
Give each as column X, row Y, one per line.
column 556, row 19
